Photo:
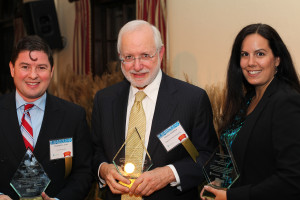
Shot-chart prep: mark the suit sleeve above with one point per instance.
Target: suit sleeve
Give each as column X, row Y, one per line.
column 79, row 182
column 285, row 182
column 98, row 156
column 204, row 138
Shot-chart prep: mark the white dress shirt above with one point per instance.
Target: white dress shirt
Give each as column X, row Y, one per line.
column 36, row 113
column 149, row 103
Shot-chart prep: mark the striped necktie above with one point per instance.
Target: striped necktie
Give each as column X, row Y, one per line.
column 26, row 128
column 134, row 149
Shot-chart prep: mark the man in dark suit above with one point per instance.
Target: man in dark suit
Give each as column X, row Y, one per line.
column 52, row 120
column 174, row 174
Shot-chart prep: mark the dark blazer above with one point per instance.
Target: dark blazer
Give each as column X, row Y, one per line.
column 267, row 148
column 176, row 100
column 62, row 119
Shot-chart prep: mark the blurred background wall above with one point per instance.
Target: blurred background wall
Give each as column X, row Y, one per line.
column 201, row 33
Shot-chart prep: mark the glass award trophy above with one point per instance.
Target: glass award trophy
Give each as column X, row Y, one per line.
column 132, row 165
column 220, row 170
column 30, row 179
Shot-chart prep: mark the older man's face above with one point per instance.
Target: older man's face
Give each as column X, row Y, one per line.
column 139, row 43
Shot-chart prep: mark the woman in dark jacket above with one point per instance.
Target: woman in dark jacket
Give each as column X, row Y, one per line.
column 262, row 117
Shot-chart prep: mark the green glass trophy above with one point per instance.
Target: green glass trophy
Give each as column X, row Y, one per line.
column 132, row 166
column 220, row 170
column 30, row 179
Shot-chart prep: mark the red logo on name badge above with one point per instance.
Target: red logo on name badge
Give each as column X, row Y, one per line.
column 67, row 153
column 182, row 137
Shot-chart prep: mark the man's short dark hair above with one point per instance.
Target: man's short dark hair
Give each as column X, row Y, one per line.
column 31, row 43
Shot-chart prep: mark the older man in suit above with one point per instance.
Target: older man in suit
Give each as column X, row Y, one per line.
column 174, row 174
column 50, row 120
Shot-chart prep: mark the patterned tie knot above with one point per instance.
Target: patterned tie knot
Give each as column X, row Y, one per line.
column 139, row 96
column 28, row 107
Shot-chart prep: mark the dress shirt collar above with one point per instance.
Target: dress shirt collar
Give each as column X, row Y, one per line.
column 40, row 103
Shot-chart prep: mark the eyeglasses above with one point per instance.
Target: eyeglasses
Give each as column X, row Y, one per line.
column 143, row 58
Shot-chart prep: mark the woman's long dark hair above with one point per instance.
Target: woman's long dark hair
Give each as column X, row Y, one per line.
column 237, row 85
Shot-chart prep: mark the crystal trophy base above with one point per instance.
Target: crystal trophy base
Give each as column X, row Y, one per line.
column 128, row 185
column 220, row 170
column 128, row 169
column 30, row 179
column 32, row 198
column 133, row 164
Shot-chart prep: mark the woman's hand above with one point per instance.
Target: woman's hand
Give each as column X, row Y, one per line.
column 220, row 194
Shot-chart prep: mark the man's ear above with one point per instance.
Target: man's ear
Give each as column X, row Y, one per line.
column 161, row 52
column 12, row 69
column 52, row 71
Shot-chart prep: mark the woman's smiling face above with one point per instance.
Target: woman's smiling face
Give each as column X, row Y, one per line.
column 257, row 61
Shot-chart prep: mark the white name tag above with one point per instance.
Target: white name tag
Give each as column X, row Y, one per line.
column 61, row 148
column 172, row 136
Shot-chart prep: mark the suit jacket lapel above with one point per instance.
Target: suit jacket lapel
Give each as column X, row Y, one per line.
column 53, row 117
column 242, row 138
column 119, row 114
column 11, row 127
column 165, row 106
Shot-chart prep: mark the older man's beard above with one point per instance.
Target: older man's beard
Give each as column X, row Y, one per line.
column 147, row 81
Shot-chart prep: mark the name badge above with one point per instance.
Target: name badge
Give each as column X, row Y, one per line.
column 61, row 148
column 172, row 136
column 175, row 135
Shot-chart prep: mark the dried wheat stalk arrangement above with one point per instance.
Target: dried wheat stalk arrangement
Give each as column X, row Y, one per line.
column 216, row 94
column 81, row 89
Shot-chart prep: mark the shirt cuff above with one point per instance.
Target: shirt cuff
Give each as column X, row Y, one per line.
column 102, row 182
column 177, row 182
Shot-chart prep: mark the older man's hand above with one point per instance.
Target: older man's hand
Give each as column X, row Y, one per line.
column 4, row 197
column 152, row 181
column 111, row 176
